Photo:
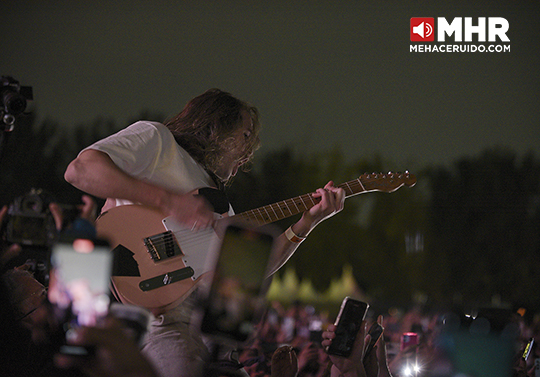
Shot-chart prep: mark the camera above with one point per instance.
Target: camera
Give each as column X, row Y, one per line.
column 30, row 222
column 14, row 100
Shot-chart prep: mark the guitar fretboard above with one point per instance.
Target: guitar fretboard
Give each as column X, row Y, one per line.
column 280, row 210
column 366, row 183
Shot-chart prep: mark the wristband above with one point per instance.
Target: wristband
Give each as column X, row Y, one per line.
column 291, row 236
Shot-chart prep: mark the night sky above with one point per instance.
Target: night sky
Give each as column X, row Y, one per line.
column 323, row 73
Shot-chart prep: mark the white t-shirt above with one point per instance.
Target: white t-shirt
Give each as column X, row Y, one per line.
column 148, row 151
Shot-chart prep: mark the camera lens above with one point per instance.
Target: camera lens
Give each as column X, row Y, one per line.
column 14, row 103
column 32, row 203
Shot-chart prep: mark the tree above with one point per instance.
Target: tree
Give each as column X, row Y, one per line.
column 32, row 159
column 37, row 156
column 484, row 227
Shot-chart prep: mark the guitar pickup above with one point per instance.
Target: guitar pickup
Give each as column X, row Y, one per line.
column 162, row 246
column 166, row 279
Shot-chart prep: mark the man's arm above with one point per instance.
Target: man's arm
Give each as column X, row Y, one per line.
column 94, row 172
column 332, row 201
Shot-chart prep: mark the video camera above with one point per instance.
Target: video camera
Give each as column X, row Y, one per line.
column 14, row 100
column 30, row 222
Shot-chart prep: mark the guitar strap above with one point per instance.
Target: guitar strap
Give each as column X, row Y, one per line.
column 215, row 178
column 217, row 198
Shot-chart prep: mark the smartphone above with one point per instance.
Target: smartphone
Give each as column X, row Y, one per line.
column 315, row 331
column 408, row 339
column 376, row 331
column 528, row 349
column 79, row 286
column 236, row 299
column 351, row 314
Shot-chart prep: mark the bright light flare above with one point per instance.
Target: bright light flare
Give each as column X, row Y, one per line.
column 407, row 371
column 412, row 370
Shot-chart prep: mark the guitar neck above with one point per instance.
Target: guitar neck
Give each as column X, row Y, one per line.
column 290, row 207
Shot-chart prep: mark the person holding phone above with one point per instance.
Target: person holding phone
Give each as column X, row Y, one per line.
column 116, row 353
column 27, row 323
column 162, row 166
column 359, row 363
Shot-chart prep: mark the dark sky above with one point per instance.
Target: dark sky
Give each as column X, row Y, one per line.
column 323, row 73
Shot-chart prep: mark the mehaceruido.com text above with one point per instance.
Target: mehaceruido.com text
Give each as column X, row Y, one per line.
column 459, row 48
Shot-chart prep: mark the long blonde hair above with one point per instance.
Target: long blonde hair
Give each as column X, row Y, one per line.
column 206, row 125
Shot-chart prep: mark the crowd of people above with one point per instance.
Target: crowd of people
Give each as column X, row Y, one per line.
column 494, row 349
column 289, row 341
column 164, row 166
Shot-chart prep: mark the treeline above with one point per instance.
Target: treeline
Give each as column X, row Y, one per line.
column 467, row 233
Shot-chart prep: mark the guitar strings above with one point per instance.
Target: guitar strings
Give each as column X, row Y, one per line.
column 257, row 215
column 269, row 213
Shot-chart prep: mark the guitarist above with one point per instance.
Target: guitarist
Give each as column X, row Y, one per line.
column 163, row 166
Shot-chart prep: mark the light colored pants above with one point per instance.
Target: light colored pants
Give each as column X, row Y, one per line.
column 173, row 346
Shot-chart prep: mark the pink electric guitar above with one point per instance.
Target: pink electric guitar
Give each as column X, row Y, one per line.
column 159, row 261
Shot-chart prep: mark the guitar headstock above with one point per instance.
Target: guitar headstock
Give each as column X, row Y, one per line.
column 387, row 182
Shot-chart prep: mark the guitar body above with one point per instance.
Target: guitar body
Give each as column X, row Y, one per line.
column 151, row 282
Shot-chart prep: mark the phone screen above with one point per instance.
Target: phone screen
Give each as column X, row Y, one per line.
column 29, row 230
column 79, row 280
column 236, row 298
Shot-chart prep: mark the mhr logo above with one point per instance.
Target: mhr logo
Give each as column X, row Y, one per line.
column 423, row 29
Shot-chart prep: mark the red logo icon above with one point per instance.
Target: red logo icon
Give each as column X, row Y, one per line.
column 422, row 29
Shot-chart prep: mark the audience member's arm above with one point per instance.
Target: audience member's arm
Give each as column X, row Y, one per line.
column 351, row 366
column 382, row 356
column 9, row 252
column 115, row 355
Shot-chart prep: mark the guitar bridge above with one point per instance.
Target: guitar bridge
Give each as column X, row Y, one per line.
column 162, row 246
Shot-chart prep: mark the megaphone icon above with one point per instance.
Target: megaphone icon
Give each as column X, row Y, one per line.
column 424, row 30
